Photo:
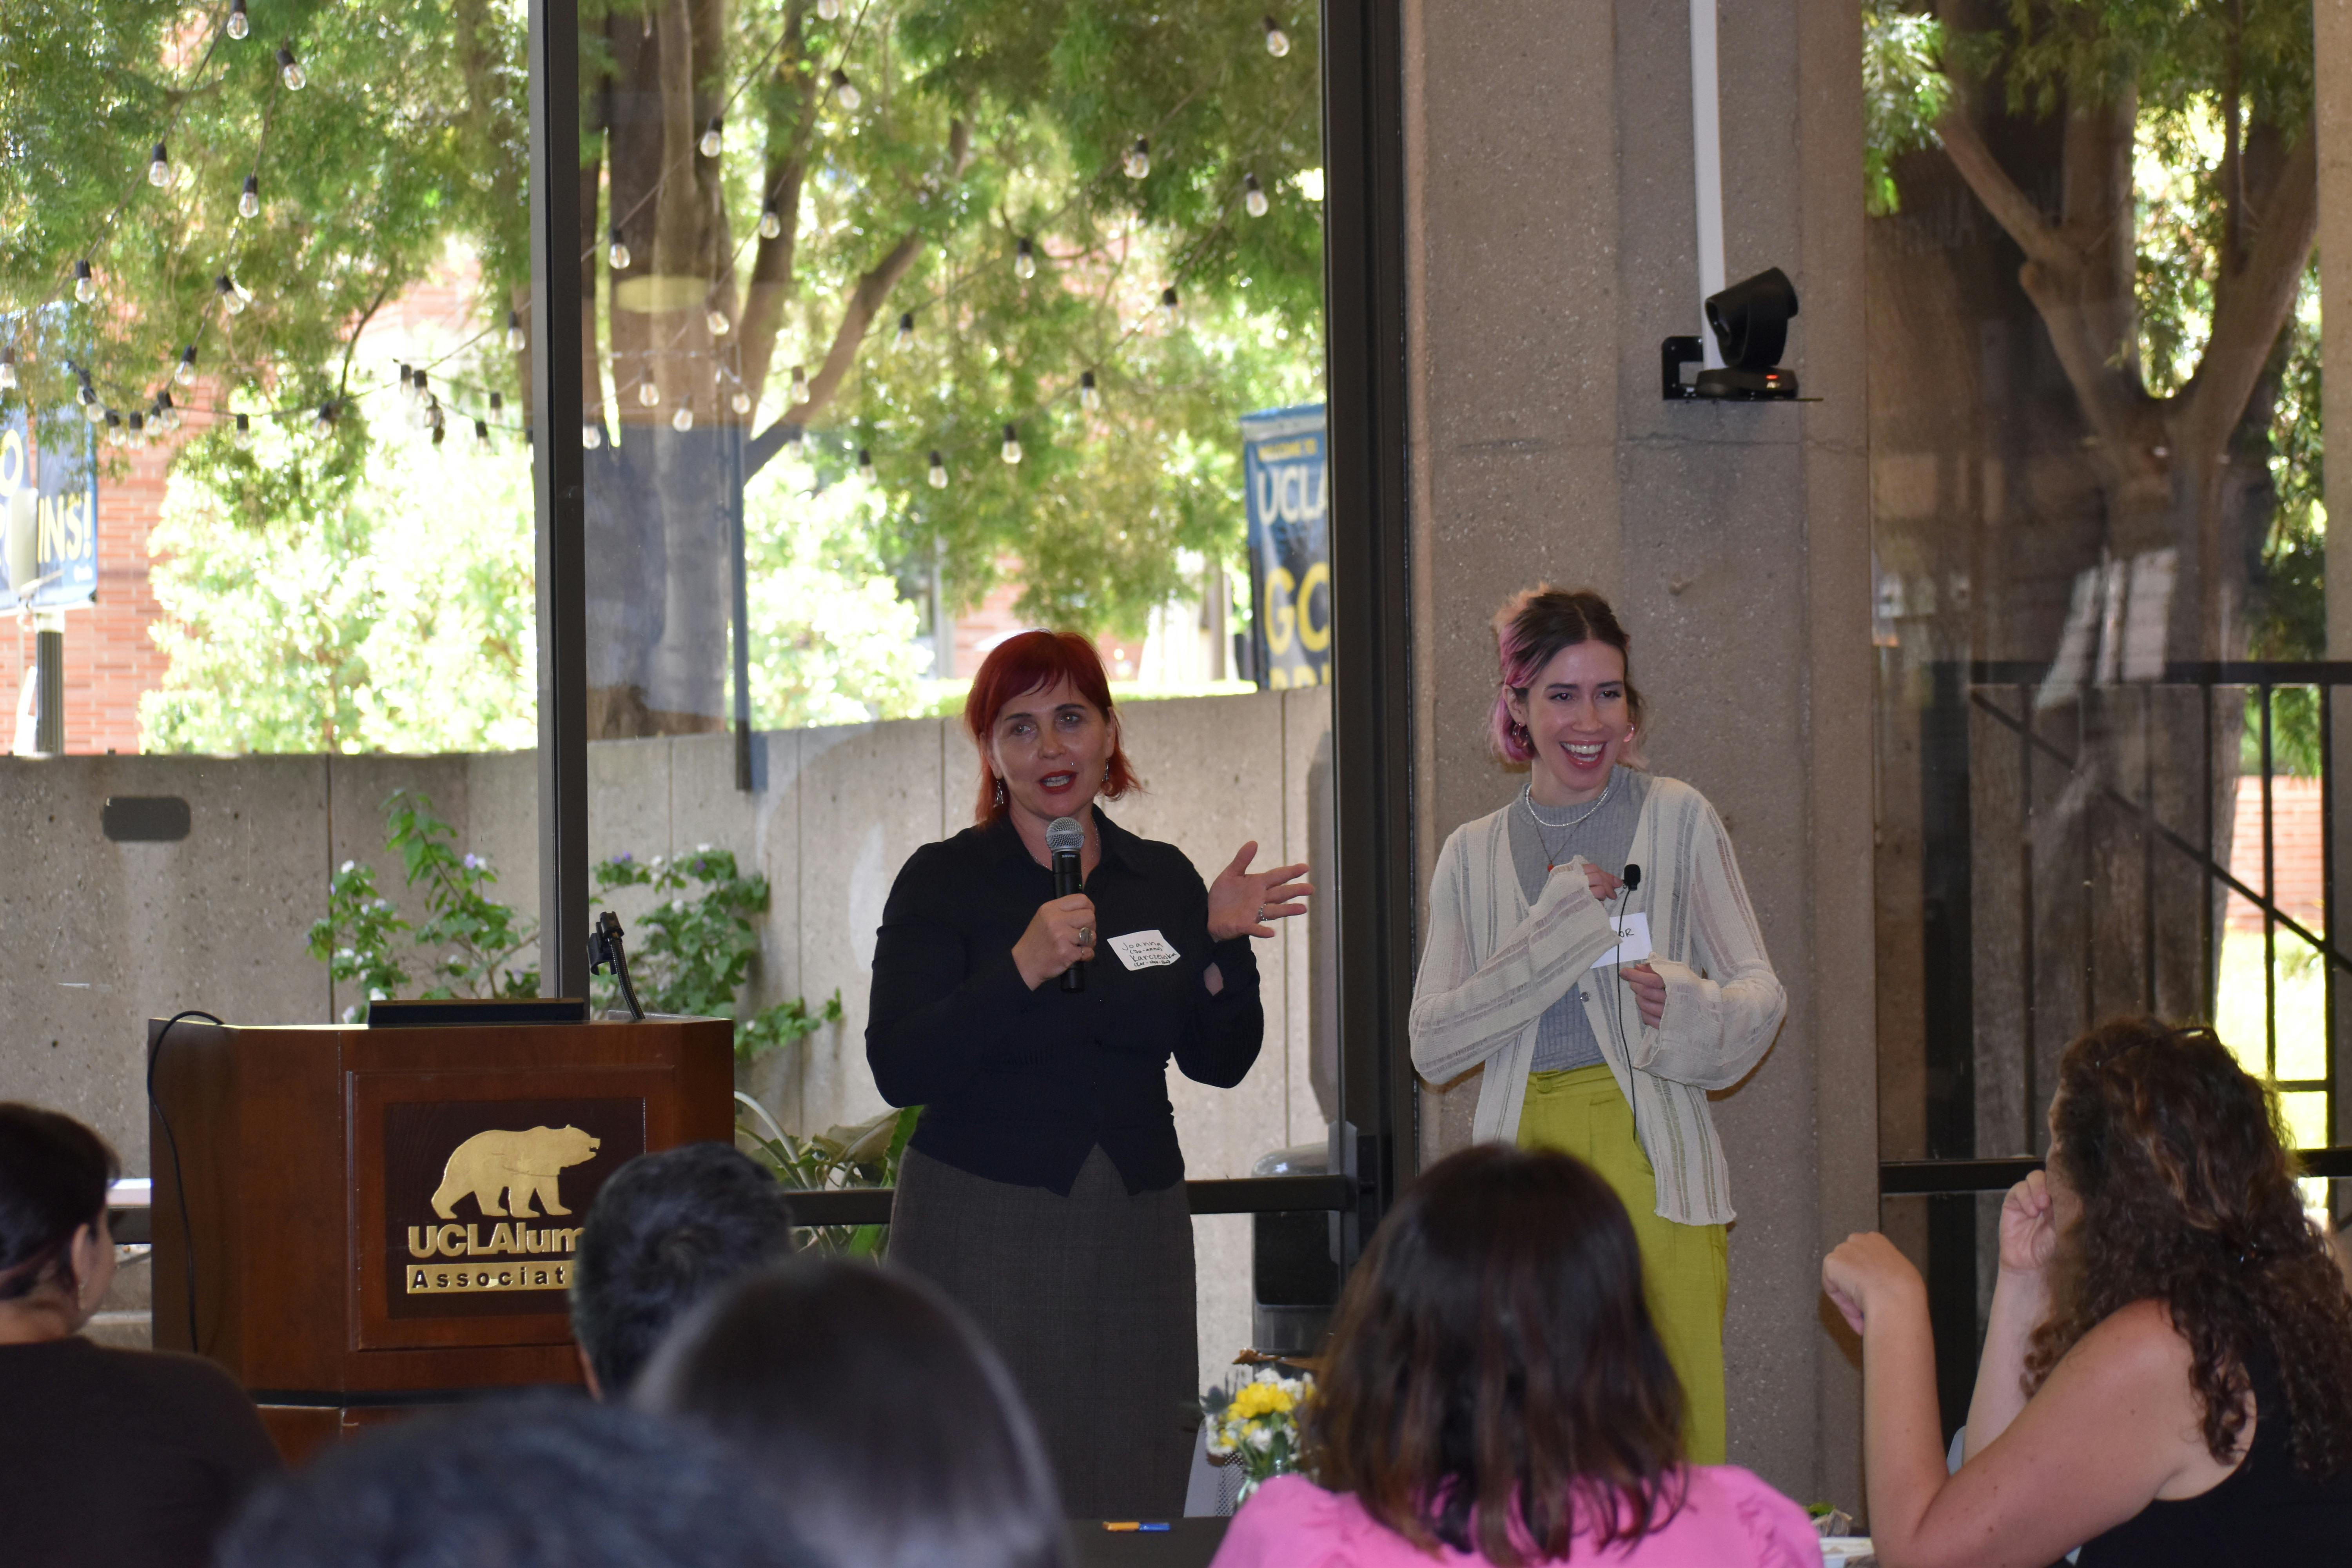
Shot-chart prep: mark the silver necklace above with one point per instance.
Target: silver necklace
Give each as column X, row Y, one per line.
column 1544, row 830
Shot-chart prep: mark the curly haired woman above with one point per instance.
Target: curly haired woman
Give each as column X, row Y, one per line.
column 2167, row 1369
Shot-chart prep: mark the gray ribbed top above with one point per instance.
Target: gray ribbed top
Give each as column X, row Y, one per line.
column 1564, row 1036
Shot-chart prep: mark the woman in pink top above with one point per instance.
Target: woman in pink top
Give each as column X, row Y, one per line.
column 1494, row 1392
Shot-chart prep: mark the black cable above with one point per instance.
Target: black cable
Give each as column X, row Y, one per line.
column 179, row 1182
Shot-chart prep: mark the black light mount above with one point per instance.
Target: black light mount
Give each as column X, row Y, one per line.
column 1750, row 323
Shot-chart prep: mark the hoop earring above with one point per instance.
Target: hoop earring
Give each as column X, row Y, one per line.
column 1105, row 773
column 1000, row 792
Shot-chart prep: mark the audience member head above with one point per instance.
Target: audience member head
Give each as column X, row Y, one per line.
column 899, row 1432
column 1531, row 629
column 667, row 1230
column 1494, row 1381
column 57, row 1257
column 2171, row 1179
column 534, row 1483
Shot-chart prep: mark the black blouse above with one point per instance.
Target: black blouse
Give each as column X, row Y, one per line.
column 1018, row 1085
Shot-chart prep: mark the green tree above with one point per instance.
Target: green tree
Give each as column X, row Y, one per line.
column 821, row 224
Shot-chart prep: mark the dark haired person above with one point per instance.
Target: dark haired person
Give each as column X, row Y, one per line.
column 1495, row 1386
column 1610, row 1061
column 667, row 1230
column 889, row 1425
column 124, row 1457
column 1043, row 1191
column 529, row 1483
column 2167, row 1375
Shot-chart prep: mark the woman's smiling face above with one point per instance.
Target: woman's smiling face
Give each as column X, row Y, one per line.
column 1576, row 721
column 1050, row 747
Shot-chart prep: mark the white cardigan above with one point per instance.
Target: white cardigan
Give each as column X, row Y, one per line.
column 1493, row 964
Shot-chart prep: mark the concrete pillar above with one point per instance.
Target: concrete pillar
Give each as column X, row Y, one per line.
column 1551, row 244
column 2331, row 28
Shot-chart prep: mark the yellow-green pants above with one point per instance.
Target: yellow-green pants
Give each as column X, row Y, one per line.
column 1685, row 1269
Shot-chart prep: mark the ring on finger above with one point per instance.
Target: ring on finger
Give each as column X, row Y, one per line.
column 1259, row 919
column 1085, row 936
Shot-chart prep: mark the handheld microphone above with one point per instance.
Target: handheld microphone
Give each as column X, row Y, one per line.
column 1064, row 841
column 1633, row 877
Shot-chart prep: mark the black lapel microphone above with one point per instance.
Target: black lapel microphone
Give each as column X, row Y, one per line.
column 1064, row 841
column 1633, row 877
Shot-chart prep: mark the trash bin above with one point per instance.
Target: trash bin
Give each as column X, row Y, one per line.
column 1294, row 1263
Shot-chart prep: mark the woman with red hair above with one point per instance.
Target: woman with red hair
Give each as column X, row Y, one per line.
column 1043, row 1190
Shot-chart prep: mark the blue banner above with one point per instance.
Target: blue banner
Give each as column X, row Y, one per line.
column 1285, row 473
column 50, row 520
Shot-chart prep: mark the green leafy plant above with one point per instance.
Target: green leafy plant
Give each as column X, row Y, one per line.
column 354, row 942
column 478, row 937
column 864, row 1155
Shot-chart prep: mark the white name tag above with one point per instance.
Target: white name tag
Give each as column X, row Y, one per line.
column 1632, row 941
column 1146, row 950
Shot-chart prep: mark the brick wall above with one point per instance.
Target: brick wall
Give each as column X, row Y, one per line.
column 2295, row 850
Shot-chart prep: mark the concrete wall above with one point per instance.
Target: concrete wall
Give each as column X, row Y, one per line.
column 1551, row 244
column 102, row 936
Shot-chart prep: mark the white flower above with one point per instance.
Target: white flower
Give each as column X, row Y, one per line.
column 1261, row 1439
column 702, row 849
column 346, row 867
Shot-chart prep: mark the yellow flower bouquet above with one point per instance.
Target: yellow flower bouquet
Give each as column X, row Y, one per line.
column 1257, row 1427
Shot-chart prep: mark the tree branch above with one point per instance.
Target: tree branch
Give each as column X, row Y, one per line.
column 2251, row 304
column 865, row 301
column 2009, row 206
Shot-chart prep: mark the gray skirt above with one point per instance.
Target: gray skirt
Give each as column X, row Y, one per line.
column 1090, row 1300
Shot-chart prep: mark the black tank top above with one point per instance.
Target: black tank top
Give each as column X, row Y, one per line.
column 2265, row 1512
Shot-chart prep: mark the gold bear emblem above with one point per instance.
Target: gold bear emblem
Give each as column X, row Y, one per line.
column 516, row 1165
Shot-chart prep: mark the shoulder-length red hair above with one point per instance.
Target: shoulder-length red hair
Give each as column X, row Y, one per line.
column 1032, row 661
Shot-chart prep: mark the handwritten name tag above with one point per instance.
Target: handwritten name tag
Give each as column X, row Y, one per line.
column 1632, row 941
column 1143, row 949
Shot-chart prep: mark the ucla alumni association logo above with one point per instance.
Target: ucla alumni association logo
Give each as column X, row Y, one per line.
column 487, row 1195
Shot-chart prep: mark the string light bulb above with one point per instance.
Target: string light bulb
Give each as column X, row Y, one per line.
column 239, row 24
column 716, row 322
column 1012, row 444
column 800, row 383
column 440, row 429
column 796, row 437
column 167, row 416
column 498, row 403
column 324, row 425
column 846, row 91
column 186, row 372
column 289, row 70
column 112, row 427
column 906, row 338
column 91, row 409
column 1171, row 308
column 1089, row 394
column 1138, row 161
column 249, row 200
column 242, row 437
column 7, row 369
column 481, row 435
column 423, row 399
column 1253, row 200
column 232, row 298
column 592, row 434
column 866, row 465
column 648, row 394
column 515, row 339
column 772, row 222
column 683, row 420
column 616, row 252
column 828, row 10
column 159, row 167
column 1025, row 261
column 137, row 435
column 939, row 473
column 85, row 286
column 1277, row 42
column 407, row 382
column 714, row 137
column 741, row 402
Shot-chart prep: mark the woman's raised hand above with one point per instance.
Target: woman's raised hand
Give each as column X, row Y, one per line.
column 2029, row 1228
column 1061, row 932
column 1604, row 885
column 1241, row 902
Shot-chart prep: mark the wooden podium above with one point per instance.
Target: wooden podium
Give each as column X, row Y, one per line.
column 381, row 1219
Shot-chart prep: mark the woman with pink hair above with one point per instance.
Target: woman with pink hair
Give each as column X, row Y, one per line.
column 1591, row 947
